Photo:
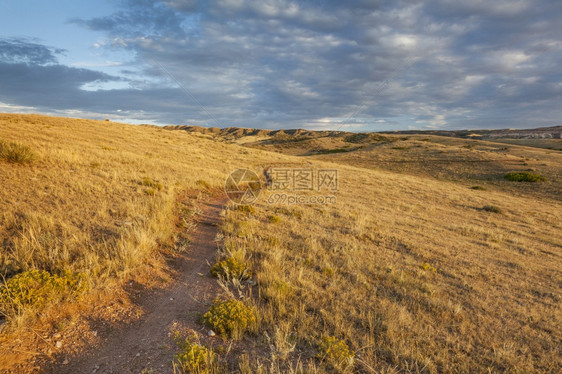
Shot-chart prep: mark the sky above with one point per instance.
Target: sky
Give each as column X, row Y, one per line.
column 354, row 65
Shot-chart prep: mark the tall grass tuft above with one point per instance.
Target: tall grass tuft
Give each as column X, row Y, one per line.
column 16, row 153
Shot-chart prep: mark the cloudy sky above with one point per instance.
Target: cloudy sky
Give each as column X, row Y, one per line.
column 319, row 64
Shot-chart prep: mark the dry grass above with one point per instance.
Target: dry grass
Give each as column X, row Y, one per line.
column 411, row 273
column 407, row 271
column 101, row 198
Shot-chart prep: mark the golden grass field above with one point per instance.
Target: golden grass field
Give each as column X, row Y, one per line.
column 407, row 269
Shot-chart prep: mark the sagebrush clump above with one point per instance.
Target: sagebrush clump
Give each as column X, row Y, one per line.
column 230, row 318
column 16, row 153
column 491, row 209
column 194, row 357
column 246, row 209
column 274, row 219
column 336, row 352
column 524, row 176
column 230, row 268
column 427, row 266
column 33, row 289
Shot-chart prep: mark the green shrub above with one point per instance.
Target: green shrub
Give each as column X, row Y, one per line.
column 16, row 153
column 195, row 358
column 335, row 150
column 274, row 219
column 246, row 209
column 524, row 176
column 36, row 288
column 230, row 268
column 491, row 209
column 427, row 266
column 230, row 318
column 336, row 351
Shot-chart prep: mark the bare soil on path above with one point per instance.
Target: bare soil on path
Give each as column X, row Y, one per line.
column 148, row 344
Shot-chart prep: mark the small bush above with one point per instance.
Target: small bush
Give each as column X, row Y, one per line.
column 478, row 188
column 335, row 150
column 230, row 318
column 195, row 358
column 524, row 176
column 246, row 209
column 491, row 209
column 336, row 351
column 427, row 266
column 16, row 153
column 274, row 219
column 35, row 288
column 230, row 268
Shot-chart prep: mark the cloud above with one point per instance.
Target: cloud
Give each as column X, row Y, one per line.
column 312, row 63
column 21, row 50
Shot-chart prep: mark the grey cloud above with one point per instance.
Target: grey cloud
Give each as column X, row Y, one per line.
column 21, row 50
column 280, row 63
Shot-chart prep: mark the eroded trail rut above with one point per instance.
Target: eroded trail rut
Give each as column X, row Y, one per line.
column 146, row 344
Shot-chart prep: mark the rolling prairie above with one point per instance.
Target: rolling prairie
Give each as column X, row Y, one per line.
column 430, row 261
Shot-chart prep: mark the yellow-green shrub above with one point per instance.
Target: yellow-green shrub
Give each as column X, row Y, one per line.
column 230, row 268
column 274, row 219
column 246, row 209
column 336, row 351
column 36, row 288
column 195, row 358
column 230, row 318
column 427, row 266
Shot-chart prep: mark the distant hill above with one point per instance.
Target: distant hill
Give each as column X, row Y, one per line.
column 554, row 132
column 233, row 133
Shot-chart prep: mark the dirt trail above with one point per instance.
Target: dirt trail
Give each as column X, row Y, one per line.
column 146, row 344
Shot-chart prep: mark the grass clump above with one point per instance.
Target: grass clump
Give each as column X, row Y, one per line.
column 16, row 153
column 491, row 209
column 478, row 188
column 147, row 182
column 336, row 352
column 230, row 268
column 274, row 219
column 427, row 266
column 230, row 318
column 194, row 357
column 246, row 209
column 203, row 184
column 33, row 289
column 524, row 176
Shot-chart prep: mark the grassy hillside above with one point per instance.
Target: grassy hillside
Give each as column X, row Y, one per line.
column 411, row 270
column 465, row 161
